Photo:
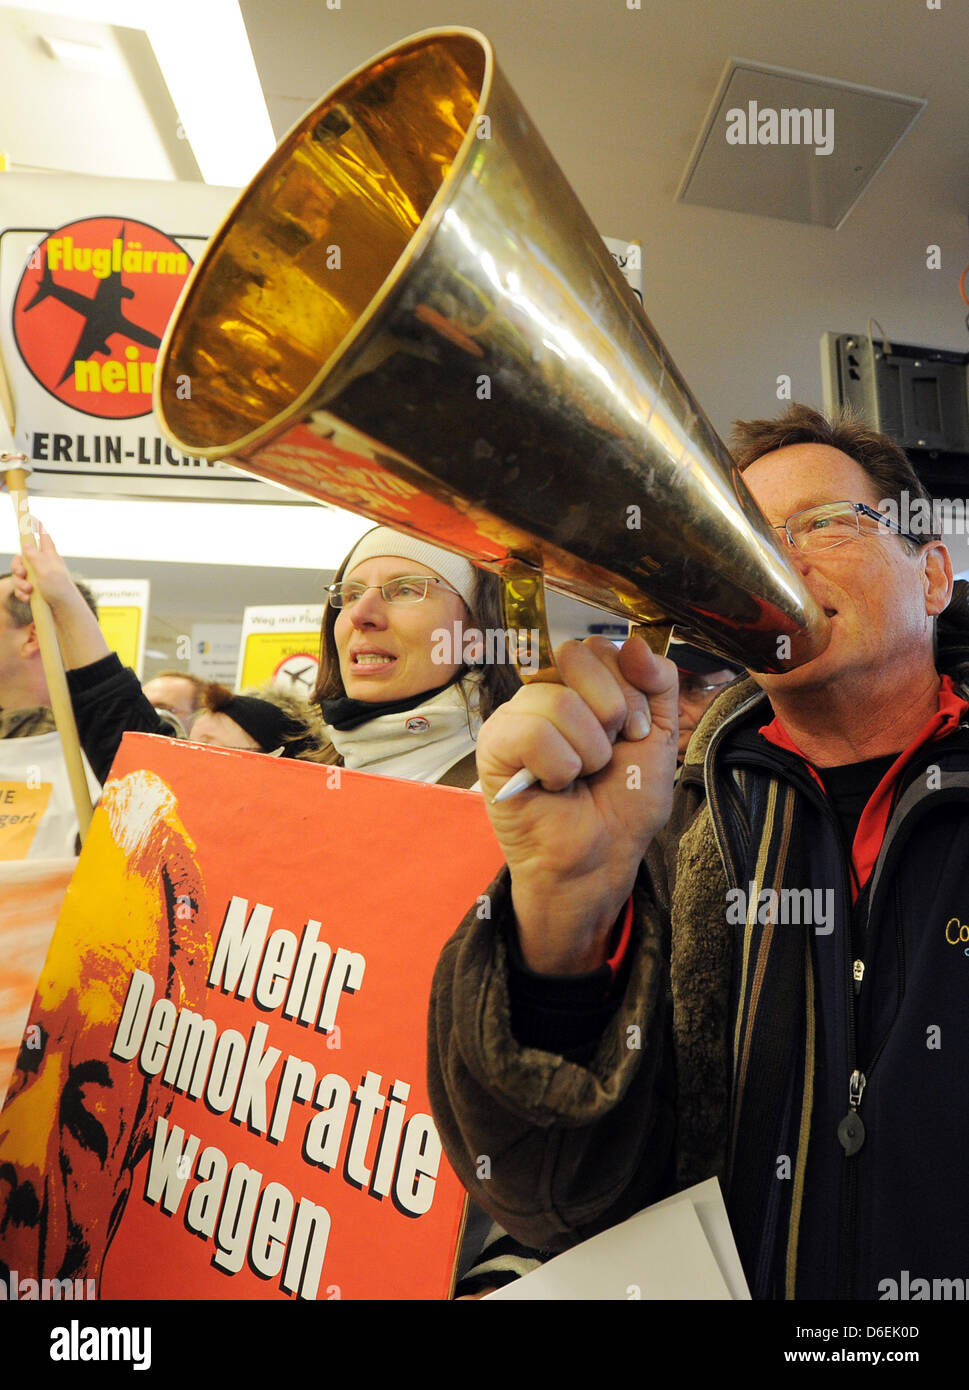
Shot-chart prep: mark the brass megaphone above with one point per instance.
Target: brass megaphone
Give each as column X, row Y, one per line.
column 409, row 314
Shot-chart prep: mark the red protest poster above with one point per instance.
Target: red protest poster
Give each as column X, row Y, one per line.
column 221, row 1091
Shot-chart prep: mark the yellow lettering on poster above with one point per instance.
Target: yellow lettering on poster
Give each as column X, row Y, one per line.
column 21, row 811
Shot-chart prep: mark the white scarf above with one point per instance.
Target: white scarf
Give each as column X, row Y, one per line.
column 418, row 744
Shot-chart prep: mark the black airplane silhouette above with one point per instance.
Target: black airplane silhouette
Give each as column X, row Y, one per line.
column 101, row 313
column 299, row 677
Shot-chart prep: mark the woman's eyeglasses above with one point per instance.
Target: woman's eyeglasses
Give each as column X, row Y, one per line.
column 410, row 588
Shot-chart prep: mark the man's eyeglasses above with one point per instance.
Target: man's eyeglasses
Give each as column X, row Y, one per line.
column 833, row 523
column 410, row 588
column 693, row 687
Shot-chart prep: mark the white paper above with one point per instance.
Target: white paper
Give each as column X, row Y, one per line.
column 707, row 1201
column 681, row 1248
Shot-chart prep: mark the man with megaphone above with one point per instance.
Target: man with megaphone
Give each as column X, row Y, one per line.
column 764, row 998
column 750, row 977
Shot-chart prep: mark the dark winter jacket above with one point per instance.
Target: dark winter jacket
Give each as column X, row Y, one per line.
column 108, row 703
column 737, row 1048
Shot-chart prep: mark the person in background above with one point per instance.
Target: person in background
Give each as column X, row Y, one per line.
column 176, row 693
column 37, row 817
column 701, row 679
column 397, row 695
column 259, row 721
column 39, row 831
column 24, row 699
column 400, row 700
column 108, row 700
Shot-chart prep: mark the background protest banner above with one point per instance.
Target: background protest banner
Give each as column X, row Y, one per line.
column 123, row 617
column 90, row 270
column 280, row 646
column 221, row 1090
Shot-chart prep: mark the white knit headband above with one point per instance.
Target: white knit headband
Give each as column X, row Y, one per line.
column 381, row 541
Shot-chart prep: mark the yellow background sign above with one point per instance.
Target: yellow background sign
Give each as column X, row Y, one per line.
column 122, row 632
column 123, row 616
column 264, row 653
column 280, row 643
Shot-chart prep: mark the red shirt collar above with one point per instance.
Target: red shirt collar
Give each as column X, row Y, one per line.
column 874, row 819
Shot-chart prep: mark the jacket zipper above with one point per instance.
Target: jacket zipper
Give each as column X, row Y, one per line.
column 851, row 1130
column 852, row 976
column 854, row 980
column 851, row 1136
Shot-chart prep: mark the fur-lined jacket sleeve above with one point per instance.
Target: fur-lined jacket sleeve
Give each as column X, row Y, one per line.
column 555, row 1150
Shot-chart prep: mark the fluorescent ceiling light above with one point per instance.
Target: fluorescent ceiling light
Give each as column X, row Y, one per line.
column 214, row 85
column 204, row 54
column 217, row 533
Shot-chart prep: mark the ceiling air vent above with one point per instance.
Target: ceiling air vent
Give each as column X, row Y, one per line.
column 789, row 144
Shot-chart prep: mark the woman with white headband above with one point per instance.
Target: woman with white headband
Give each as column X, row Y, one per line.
column 398, row 693
column 400, row 698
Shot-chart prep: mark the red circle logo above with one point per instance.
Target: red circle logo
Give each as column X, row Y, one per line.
column 92, row 305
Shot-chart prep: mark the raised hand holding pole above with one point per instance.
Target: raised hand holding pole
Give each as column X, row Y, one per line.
column 15, row 468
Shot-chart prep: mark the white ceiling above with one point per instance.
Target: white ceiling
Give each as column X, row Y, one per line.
column 119, row 123
column 620, row 96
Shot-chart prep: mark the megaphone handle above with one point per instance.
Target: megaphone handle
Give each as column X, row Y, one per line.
column 523, row 613
column 655, row 635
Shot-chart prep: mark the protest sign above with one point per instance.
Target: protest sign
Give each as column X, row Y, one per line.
column 221, row 1091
